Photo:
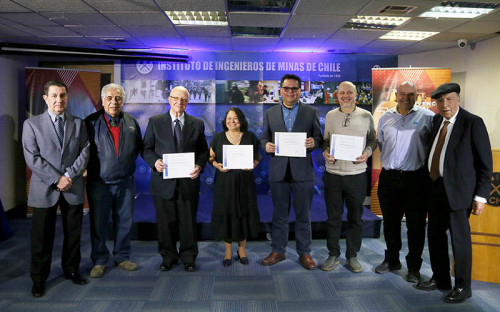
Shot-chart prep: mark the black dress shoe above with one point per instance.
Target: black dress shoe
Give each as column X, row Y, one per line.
column 458, row 295
column 38, row 290
column 227, row 262
column 386, row 267
column 243, row 260
column 190, row 267
column 165, row 267
column 413, row 277
column 432, row 284
column 76, row 278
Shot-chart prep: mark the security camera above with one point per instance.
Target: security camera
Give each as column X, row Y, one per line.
column 462, row 43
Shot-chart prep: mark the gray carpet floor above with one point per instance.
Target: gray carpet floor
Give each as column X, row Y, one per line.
column 285, row 286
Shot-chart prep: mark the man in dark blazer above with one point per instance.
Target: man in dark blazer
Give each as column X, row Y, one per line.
column 176, row 200
column 56, row 149
column 291, row 175
column 115, row 142
column 460, row 165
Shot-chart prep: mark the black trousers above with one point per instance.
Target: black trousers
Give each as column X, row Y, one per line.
column 176, row 221
column 404, row 193
column 442, row 218
column 43, row 228
column 350, row 189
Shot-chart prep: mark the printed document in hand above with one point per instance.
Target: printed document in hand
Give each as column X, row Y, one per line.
column 178, row 165
column 346, row 147
column 291, row 144
column 237, row 156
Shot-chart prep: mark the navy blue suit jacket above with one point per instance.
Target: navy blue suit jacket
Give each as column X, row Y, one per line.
column 159, row 140
column 104, row 165
column 468, row 163
column 307, row 121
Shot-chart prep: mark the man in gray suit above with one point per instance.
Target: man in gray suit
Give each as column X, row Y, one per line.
column 291, row 175
column 56, row 149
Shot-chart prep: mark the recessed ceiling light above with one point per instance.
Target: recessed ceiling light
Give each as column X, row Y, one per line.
column 375, row 22
column 451, row 9
column 408, row 35
column 199, row 18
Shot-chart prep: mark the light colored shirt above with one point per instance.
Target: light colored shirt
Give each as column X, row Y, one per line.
column 289, row 115
column 403, row 139
column 360, row 124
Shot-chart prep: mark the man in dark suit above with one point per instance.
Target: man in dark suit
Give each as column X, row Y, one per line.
column 115, row 142
column 460, row 165
column 56, row 149
column 176, row 200
column 291, row 175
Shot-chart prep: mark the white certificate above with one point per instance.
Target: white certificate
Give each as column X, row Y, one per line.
column 237, row 156
column 178, row 165
column 291, row 144
column 346, row 147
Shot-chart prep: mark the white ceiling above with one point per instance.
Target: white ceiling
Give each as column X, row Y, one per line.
column 313, row 25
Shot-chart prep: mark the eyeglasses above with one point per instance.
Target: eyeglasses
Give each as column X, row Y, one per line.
column 347, row 120
column 288, row 89
column 176, row 98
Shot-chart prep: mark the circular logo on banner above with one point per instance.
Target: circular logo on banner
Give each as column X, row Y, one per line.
column 494, row 199
column 144, row 67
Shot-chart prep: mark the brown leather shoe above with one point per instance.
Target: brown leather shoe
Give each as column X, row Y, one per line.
column 273, row 258
column 307, row 262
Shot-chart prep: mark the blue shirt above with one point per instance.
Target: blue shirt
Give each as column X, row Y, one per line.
column 289, row 115
column 403, row 139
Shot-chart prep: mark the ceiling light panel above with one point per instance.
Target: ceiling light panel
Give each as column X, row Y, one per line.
column 408, row 35
column 375, row 22
column 451, row 9
column 283, row 6
column 199, row 18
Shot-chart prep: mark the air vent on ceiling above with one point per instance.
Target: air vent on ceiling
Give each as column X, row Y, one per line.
column 283, row 6
column 396, row 10
column 268, row 32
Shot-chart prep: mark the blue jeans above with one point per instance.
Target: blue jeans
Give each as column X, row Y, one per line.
column 118, row 200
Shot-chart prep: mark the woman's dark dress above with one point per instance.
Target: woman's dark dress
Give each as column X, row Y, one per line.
column 235, row 215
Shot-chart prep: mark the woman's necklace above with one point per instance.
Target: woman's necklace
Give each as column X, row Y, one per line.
column 233, row 139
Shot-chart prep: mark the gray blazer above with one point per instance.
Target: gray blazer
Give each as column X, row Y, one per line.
column 307, row 120
column 48, row 161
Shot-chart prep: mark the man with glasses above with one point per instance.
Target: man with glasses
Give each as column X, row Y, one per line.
column 345, row 180
column 176, row 200
column 115, row 142
column 291, row 176
column 403, row 141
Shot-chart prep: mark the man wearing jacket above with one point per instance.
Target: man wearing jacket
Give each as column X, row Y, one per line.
column 115, row 142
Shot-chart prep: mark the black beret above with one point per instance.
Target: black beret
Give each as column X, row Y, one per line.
column 445, row 88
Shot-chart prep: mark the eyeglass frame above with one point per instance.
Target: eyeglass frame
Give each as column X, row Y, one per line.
column 288, row 89
column 176, row 98
column 347, row 120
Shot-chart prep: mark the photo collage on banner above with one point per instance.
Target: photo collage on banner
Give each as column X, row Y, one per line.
column 251, row 81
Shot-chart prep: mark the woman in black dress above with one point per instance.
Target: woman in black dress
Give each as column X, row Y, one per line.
column 235, row 215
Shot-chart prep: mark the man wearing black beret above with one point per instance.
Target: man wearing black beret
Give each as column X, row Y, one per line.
column 460, row 166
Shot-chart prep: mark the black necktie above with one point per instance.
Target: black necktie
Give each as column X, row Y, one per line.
column 178, row 135
column 60, row 129
column 114, row 122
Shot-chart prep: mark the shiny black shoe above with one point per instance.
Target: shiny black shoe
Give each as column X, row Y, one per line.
column 190, row 267
column 76, row 278
column 243, row 260
column 165, row 267
column 38, row 290
column 432, row 284
column 458, row 295
column 227, row 262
